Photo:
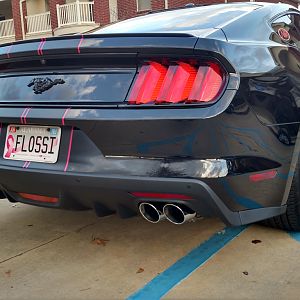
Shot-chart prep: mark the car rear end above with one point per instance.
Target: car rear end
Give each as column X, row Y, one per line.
column 113, row 121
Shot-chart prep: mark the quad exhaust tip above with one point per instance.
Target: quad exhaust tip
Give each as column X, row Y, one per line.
column 178, row 215
column 174, row 213
column 151, row 213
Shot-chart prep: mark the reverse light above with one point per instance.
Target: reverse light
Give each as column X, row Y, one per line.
column 180, row 82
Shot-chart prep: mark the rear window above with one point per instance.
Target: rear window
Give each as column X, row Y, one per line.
column 181, row 20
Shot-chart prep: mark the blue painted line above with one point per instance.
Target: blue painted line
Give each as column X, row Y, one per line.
column 286, row 175
column 164, row 282
column 295, row 236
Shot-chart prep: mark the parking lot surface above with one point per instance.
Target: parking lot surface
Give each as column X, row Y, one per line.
column 54, row 254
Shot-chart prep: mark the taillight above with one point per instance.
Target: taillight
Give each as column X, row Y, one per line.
column 148, row 83
column 177, row 83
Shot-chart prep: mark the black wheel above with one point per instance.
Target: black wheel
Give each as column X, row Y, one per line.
column 290, row 220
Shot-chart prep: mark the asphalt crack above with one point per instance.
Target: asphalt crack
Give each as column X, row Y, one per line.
column 46, row 243
column 84, row 227
column 34, row 248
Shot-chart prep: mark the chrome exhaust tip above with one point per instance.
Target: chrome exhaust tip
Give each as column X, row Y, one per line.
column 150, row 213
column 178, row 215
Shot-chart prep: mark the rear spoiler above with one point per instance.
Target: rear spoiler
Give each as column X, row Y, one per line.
column 96, row 43
column 136, row 45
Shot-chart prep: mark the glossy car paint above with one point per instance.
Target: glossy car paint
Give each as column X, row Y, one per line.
column 110, row 148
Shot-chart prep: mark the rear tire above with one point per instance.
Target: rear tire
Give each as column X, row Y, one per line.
column 290, row 220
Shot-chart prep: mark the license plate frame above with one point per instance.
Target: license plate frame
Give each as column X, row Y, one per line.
column 34, row 143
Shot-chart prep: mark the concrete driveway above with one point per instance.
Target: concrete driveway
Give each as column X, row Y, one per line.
column 53, row 254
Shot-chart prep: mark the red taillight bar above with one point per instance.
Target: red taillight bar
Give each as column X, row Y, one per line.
column 148, row 83
column 207, row 85
column 177, row 83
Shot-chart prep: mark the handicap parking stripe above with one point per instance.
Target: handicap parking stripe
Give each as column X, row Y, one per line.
column 165, row 281
column 295, row 235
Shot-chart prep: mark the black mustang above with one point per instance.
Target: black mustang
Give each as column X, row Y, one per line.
column 184, row 113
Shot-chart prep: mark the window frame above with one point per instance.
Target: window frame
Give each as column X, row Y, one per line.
column 142, row 10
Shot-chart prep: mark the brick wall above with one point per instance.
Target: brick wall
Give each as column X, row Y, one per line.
column 101, row 12
column 126, row 9
column 232, row 1
column 158, row 4
column 180, row 3
column 290, row 2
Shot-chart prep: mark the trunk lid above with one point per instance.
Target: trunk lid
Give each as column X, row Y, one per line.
column 96, row 69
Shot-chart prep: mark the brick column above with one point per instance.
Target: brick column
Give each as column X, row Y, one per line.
column 24, row 10
column 101, row 12
column 15, row 4
column 53, row 13
column 158, row 4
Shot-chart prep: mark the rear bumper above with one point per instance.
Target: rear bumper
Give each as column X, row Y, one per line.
column 109, row 194
column 118, row 151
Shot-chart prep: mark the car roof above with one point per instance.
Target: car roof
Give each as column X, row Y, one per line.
column 194, row 20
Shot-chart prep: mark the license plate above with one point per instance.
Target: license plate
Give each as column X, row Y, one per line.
column 32, row 143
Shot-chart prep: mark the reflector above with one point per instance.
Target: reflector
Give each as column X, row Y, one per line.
column 39, row 198
column 263, row 176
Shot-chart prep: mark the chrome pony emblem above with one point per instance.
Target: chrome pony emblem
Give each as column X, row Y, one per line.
column 40, row 85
